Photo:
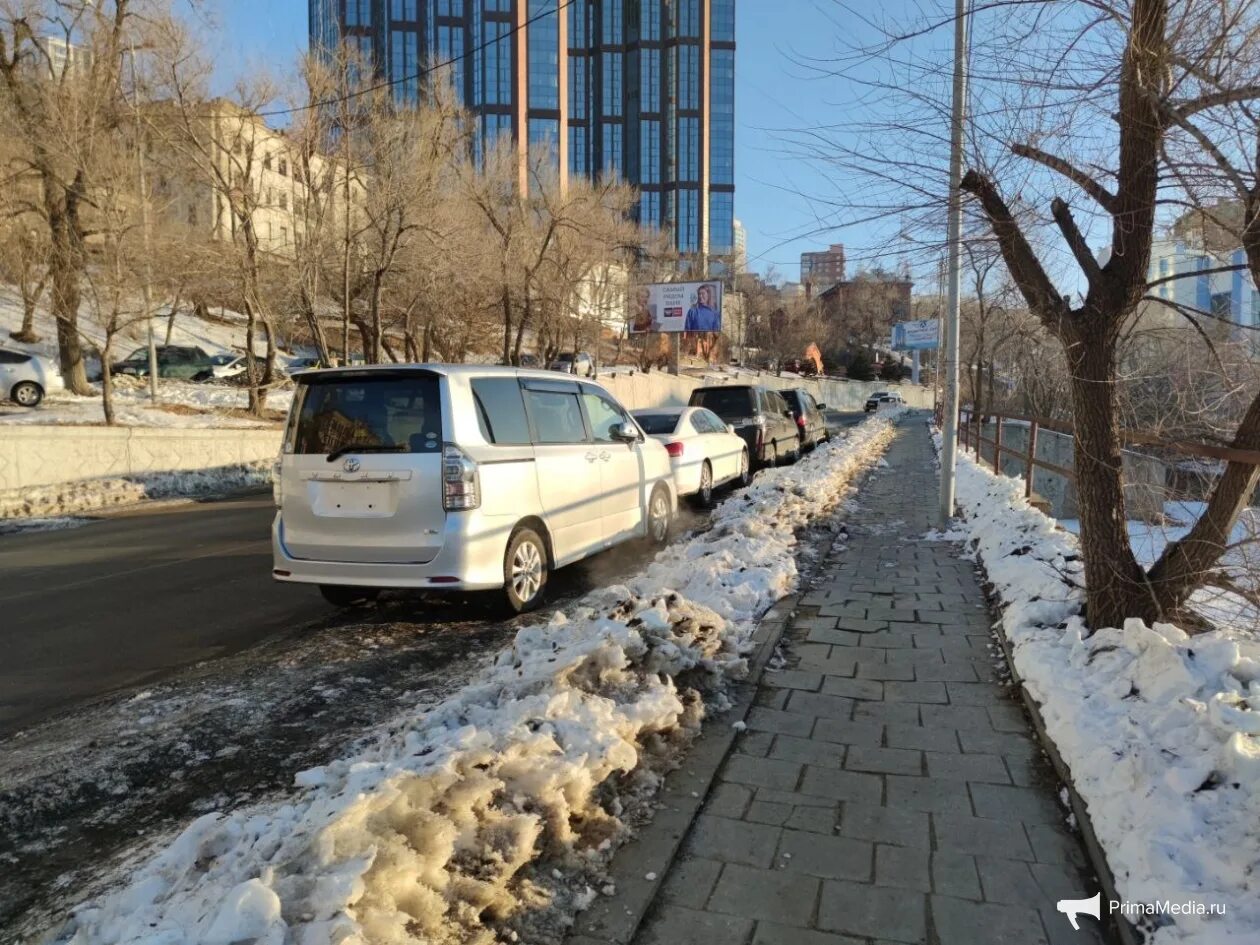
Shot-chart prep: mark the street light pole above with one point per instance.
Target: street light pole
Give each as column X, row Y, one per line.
column 949, row 428
column 142, row 183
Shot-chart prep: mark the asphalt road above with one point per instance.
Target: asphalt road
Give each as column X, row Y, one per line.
column 133, row 596
column 136, row 595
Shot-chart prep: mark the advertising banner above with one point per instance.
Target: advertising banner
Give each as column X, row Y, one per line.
column 916, row 336
column 676, row 306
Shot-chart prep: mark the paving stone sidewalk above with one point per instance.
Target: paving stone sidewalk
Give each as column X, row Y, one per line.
column 888, row 788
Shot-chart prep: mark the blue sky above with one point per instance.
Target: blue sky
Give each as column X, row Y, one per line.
column 775, row 193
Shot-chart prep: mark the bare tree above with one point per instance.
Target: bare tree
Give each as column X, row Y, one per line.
column 1179, row 66
column 61, row 98
column 23, row 262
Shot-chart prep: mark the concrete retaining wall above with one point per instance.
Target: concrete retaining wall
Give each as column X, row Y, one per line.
column 639, row 391
column 44, row 455
column 40, row 456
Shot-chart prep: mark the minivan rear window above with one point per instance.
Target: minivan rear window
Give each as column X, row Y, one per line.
column 399, row 412
column 728, row 403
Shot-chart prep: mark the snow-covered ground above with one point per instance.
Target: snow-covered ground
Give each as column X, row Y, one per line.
column 180, row 403
column 46, row 507
column 1161, row 730
column 493, row 814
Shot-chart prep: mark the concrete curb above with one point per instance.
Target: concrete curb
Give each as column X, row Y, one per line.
column 615, row 920
column 1124, row 930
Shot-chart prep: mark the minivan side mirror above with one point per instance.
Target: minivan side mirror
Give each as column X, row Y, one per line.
column 730, row 428
column 789, row 415
column 822, row 406
column 625, row 432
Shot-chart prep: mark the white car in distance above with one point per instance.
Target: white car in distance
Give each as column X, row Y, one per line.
column 704, row 451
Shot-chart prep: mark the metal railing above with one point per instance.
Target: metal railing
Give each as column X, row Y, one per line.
column 971, row 436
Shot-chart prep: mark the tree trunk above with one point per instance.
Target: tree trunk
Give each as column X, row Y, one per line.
column 1115, row 585
column 251, row 361
column 506, row 302
column 374, row 313
column 65, row 269
column 170, row 319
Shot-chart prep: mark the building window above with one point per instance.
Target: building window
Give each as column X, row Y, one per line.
column 649, row 152
column 689, row 149
column 612, row 84
column 358, row 12
column 613, row 23
column 721, row 223
column 498, row 63
column 688, row 76
column 266, row 162
column 650, row 24
column 688, row 227
column 284, row 200
column 612, row 142
column 192, row 214
column 283, row 167
column 650, row 80
column 687, row 19
column 544, row 57
column 650, row 210
column 578, row 69
column 543, row 140
column 722, row 28
column 579, row 161
column 403, row 10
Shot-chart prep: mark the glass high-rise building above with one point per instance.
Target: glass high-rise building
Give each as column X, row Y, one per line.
column 642, row 88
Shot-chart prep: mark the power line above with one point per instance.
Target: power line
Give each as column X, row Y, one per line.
column 359, row 93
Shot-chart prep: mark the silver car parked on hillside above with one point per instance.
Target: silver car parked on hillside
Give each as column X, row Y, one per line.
column 26, row 378
column 458, row 477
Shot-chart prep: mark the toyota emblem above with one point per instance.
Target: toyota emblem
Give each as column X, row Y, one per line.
column 351, row 465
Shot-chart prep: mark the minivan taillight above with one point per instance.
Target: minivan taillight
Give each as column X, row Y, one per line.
column 674, row 449
column 800, row 421
column 461, row 484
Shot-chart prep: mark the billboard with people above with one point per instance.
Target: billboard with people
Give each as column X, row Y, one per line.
column 676, row 306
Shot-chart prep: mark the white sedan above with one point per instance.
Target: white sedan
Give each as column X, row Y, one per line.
column 703, row 450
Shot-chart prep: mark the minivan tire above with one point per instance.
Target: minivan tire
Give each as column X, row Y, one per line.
column 341, row 595
column 27, row 394
column 524, row 571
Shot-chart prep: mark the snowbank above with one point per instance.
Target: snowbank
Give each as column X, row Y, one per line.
column 86, row 495
column 1161, row 730
column 493, row 814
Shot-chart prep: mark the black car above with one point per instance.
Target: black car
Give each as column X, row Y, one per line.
column 811, row 424
column 760, row 415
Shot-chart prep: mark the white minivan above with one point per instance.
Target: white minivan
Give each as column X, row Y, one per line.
column 458, row 477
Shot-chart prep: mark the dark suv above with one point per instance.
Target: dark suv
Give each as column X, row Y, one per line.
column 811, row 425
column 760, row 415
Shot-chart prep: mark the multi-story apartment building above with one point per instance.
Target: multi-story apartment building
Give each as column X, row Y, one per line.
column 237, row 152
column 641, row 88
column 1230, row 296
column 823, row 269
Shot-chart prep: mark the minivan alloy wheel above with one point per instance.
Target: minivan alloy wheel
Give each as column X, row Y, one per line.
column 527, row 571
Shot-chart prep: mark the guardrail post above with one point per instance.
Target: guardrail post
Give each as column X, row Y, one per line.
column 1032, row 458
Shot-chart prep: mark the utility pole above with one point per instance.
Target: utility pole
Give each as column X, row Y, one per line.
column 949, row 427
column 147, row 289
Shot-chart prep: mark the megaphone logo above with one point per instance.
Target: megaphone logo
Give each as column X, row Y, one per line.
column 1074, row 907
